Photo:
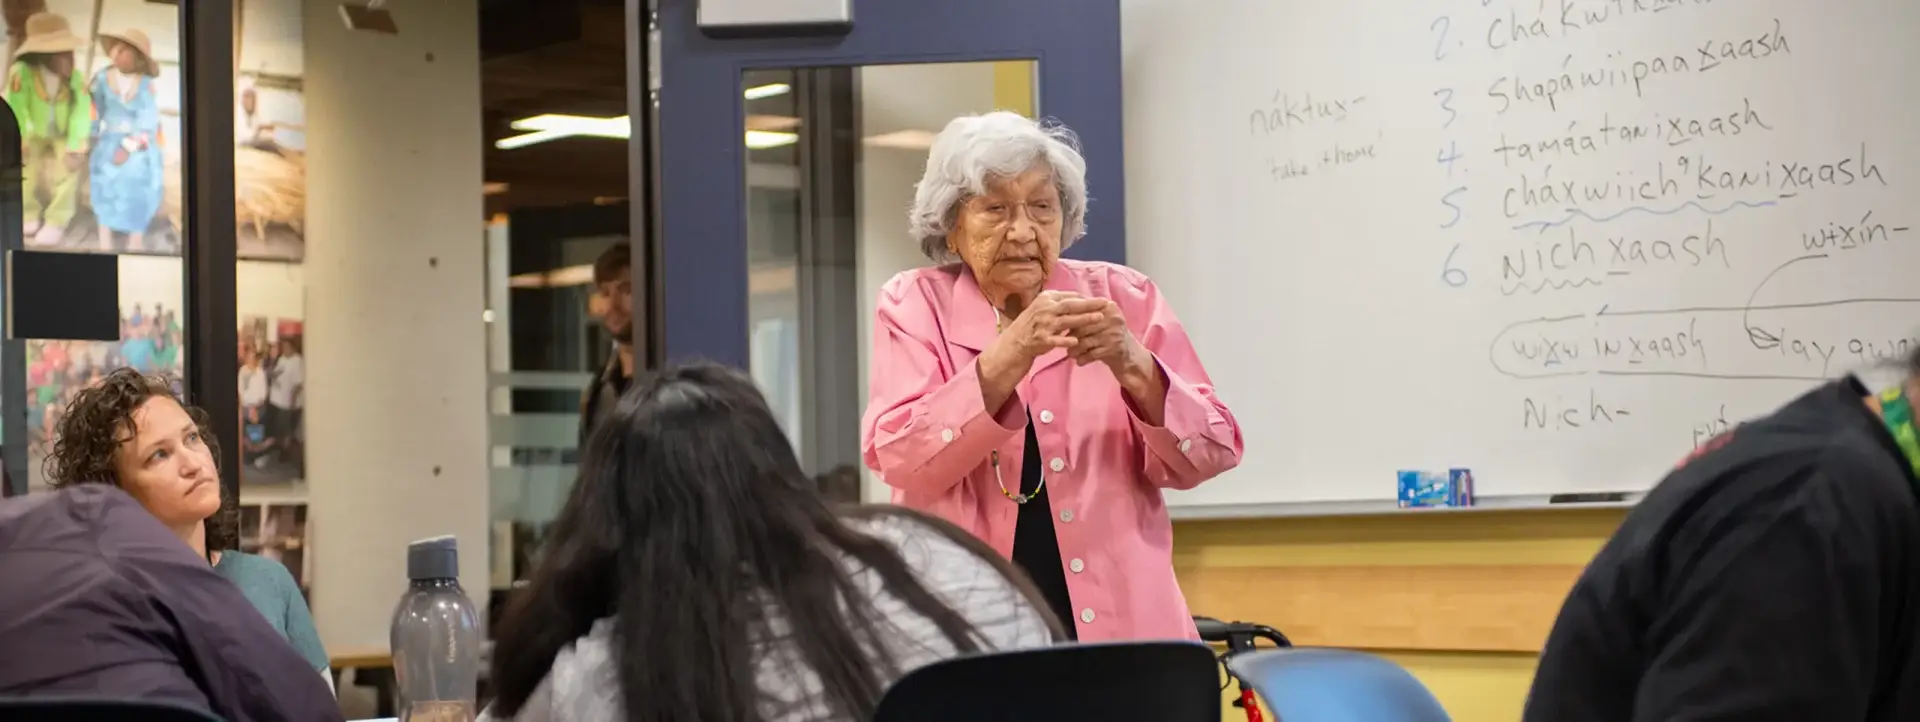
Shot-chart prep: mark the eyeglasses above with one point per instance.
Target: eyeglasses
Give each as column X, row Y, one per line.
column 998, row 212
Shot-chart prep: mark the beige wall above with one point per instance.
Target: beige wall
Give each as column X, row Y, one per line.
column 396, row 406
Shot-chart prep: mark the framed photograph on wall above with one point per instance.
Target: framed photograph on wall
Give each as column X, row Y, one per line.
column 278, row 531
column 272, row 397
column 272, row 375
column 105, row 152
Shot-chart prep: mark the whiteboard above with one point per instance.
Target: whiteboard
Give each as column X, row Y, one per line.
column 1559, row 243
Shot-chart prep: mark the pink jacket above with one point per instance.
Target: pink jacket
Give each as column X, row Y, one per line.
column 928, row 434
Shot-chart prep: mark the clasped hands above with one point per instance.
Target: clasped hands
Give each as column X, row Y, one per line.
column 1090, row 329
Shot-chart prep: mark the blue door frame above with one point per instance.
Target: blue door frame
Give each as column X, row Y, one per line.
column 703, row 248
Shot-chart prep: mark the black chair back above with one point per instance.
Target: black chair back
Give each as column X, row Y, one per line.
column 58, row 709
column 1138, row 682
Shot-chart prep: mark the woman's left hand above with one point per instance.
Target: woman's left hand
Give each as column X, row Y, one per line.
column 1108, row 341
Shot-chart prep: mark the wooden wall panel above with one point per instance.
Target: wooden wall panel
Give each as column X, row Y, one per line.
column 1472, row 607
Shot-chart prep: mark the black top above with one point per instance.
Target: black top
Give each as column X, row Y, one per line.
column 100, row 599
column 1036, row 546
column 1775, row 575
column 601, row 396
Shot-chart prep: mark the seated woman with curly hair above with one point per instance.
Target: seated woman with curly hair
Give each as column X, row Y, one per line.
column 131, row 431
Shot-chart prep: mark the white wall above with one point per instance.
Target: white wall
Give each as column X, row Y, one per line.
column 262, row 288
column 396, row 351
column 892, row 98
column 271, row 289
column 148, row 280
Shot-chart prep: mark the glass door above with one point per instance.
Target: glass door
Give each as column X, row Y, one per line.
column 13, row 364
column 787, row 164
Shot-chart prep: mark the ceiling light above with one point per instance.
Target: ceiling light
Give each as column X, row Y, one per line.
column 766, row 91
column 764, row 139
column 756, row 121
column 553, row 126
column 522, row 141
column 901, row 140
column 580, row 275
column 615, row 127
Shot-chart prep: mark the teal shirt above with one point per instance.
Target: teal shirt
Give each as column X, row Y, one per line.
column 272, row 590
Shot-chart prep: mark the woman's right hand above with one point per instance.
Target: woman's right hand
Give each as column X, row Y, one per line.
column 1048, row 323
column 1044, row 325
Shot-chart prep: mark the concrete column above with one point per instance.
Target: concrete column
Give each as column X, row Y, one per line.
column 396, row 344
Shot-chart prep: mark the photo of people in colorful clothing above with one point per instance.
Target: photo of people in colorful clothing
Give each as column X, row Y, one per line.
column 272, row 384
column 58, row 370
column 99, row 117
column 273, row 379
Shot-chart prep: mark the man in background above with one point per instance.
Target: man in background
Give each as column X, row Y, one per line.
column 613, row 302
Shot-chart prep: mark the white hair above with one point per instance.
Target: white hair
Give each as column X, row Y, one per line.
column 974, row 150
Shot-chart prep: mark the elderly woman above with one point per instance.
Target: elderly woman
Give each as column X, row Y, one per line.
column 1041, row 403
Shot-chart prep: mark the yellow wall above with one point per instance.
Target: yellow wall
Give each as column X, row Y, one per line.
column 1474, row 686
column 1013, row 86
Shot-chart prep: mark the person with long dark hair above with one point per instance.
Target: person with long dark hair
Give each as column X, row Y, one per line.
column 696, row 573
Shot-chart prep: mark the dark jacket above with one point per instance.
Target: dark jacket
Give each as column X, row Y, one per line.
column 1773, row 577
column 597, row 402
column 100, row 600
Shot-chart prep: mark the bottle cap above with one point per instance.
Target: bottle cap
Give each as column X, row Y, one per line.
column 434, row 558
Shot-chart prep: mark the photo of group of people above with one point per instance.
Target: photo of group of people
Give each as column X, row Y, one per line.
column 277, row 532
column 272, row 385
column 273, row 377
column 58, row 370
column 99, row 114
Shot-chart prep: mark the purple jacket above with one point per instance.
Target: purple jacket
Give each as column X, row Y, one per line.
column 100, row 600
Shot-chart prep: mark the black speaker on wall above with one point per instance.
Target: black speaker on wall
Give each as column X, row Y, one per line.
column 73, row 296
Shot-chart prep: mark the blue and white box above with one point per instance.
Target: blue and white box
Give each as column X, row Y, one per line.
column 1428, row 489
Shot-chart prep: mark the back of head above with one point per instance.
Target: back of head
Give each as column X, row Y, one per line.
column 20, row 520
column 691, row 523
column 613, row 263
column 46, row 536
column 46, row 520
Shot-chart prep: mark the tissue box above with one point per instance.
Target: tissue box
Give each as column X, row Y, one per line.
column 1419, row 489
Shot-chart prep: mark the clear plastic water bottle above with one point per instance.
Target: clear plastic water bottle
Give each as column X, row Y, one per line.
column 436, row 638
